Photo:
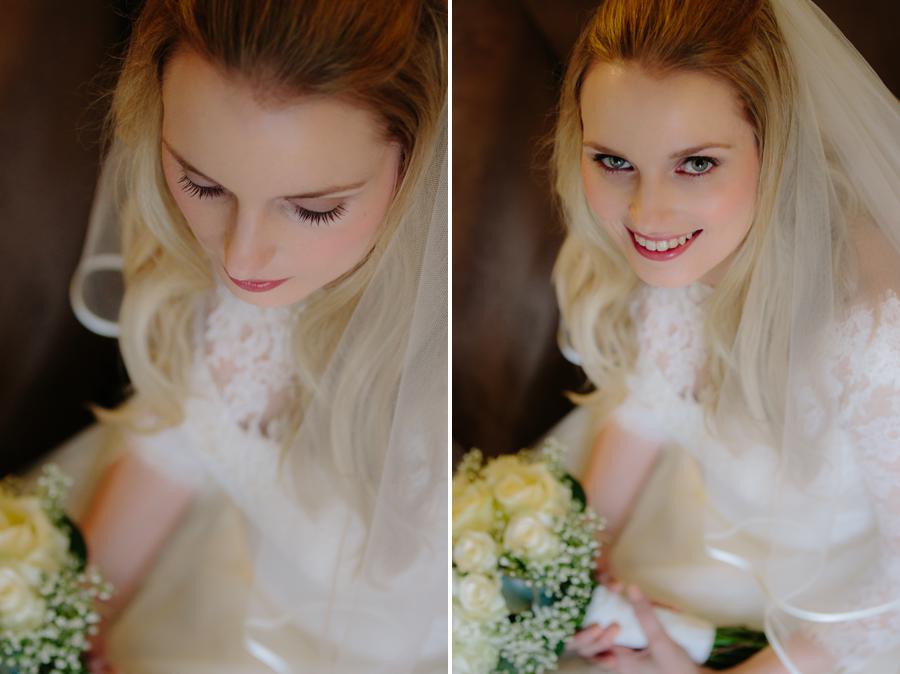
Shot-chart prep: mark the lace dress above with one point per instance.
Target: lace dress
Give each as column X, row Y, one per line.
column 662, row 547
column 189, row 614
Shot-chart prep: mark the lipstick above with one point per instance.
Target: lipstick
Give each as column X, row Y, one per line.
column 256, row 286
column 662, row 255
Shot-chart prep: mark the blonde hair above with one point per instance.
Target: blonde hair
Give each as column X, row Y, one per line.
column 392, row 63
column 740, row 43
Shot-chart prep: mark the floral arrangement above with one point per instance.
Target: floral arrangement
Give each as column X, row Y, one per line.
column 46, row 592
column 524, row 549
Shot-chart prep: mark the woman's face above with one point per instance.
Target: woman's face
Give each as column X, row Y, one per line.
column 284, row 199
column 670, row 168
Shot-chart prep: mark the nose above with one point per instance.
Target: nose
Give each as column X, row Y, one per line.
column 651, row 208
column 249, row 247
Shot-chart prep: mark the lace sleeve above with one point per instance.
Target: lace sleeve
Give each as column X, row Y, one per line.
column 669, row 324
column 871, row 384
column 171, row 453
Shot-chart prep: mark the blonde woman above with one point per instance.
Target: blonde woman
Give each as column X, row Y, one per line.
column 728, row 174
column 276, row 501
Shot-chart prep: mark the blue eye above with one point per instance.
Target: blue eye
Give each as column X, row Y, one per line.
column 319, row 217
column 612, row 163
column 698, row 166
column 198, row 191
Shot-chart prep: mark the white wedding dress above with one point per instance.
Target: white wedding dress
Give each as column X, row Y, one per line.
column 189, row 614
column 662, row 547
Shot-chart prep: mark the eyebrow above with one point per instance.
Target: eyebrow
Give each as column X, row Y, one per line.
column 675, row 155
column 325, row 191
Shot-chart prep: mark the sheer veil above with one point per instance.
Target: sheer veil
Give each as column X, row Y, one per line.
column 827, row 551
column 362, row 512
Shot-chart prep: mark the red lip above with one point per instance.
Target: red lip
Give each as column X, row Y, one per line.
column 661, row 256
column 254, row 286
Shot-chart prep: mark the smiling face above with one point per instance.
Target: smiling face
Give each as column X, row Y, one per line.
column 669, row 167
column 284, row 199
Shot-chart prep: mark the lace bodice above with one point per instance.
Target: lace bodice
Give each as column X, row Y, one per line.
column 243, row 383
column 246, row 350
column 862, row 368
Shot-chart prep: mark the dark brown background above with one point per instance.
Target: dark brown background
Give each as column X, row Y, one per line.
column 52, row 60
column 508, row 378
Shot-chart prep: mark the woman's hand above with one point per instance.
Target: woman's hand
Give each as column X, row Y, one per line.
column 594, row 641
column 662, row 655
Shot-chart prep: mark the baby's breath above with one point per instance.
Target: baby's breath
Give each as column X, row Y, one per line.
column 58, row 644
column 530, row 641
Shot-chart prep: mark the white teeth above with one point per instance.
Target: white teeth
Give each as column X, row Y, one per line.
column 663, row 246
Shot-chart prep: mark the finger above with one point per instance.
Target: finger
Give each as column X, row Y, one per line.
column 629, row 661
column 606, row 660
column 601, row 643
column 585, row 635
column 643, row 611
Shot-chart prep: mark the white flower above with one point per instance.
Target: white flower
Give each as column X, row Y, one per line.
column 527, row 536
column 21, row 609
column 28, row 537
column 474, row 655
column 475, row 551
column 473, row 506
column 521, row 487
column 480, row 598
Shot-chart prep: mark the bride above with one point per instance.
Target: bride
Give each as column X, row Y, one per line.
column 728, row 172
column 275, row 196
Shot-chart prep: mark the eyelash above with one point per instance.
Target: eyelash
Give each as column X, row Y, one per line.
column 320, row 217
column 198, row 191
column 313, row 217
column 598, row 158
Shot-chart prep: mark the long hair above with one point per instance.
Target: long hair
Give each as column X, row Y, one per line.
column 738, row 42
column 391, row 62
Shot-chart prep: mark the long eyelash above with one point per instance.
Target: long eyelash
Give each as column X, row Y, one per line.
column 598, row 159
column 714, row 163
column 320, row 217
column 198, row 191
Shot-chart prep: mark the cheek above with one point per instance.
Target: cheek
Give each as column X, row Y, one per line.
column 330, row 250
column 608, row 203
column 735, row 203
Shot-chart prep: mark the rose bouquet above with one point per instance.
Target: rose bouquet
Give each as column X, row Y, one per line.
column 524, row 549
column 46, row 592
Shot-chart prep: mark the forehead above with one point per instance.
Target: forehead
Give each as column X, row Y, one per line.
column 625, row 100
column 221, row 125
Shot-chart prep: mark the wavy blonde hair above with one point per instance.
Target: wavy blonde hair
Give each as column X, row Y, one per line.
column 390, row 62
column 738, row 42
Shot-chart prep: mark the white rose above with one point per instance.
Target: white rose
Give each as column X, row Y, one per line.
column 20, row 607
column 475, row 551
column 474, row 655
column 28, row 537
column 527, row 536
column 522, row 487
column 480, row 598
column 473, row 507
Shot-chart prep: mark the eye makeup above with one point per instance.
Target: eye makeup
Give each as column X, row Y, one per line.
column 198, row 191
column 319, row 217
column 618, row 165
column 309, row 215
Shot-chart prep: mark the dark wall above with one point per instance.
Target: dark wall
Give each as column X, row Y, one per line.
column 508, row 379
column 56, row 61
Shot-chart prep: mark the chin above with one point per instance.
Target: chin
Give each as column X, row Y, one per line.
column 667, row 278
